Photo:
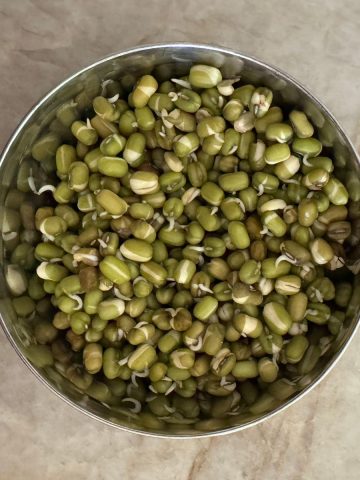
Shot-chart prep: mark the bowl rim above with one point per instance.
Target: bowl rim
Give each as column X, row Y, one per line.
column 216, row 49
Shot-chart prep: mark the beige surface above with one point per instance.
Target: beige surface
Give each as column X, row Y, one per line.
column 42, row 41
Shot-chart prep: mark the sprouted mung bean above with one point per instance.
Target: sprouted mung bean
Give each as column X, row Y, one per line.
column 185, row 264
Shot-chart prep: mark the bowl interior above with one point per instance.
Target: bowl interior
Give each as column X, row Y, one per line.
column 16, row 164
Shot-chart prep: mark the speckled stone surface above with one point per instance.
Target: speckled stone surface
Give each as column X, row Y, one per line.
column 43, row 41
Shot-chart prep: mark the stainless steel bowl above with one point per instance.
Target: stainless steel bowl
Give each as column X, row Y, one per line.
column 166, row 61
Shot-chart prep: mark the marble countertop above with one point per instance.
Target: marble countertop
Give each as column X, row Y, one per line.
column 42, row 42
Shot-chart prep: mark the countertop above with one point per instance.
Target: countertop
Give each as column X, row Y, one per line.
column 42, row 42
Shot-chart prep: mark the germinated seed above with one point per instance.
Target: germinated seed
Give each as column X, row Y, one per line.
column 188, row 252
